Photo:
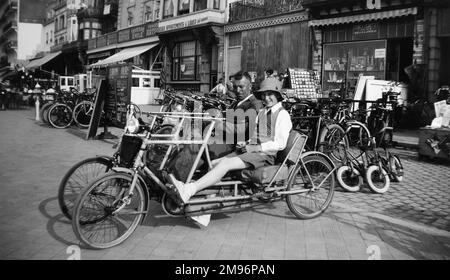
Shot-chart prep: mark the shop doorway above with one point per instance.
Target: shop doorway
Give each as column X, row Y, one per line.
column 445, row 62
column 399, row 56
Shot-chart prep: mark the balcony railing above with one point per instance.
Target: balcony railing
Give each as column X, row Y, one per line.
column 252, row 9
column 124, row 35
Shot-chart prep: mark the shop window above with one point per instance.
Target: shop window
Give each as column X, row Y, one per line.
column 183, row 7
column 135, row 82
column 343, row 63
column 168, row 8
column 200, row 5
column 157, row 83
column 186, row 61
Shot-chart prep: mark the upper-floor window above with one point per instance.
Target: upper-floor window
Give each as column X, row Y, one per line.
column 149, row 11
column 62, row 22
column 168, row 8
column 51, row 35
column 46, row 37
column 56, row 24
column 200, row 5
column 130, row 18
column 183, row 7
column 216, row 4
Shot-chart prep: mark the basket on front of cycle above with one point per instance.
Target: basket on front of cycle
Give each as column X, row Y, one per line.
column 108, row 211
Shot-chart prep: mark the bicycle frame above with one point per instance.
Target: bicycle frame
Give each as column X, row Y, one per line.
column 233, row 186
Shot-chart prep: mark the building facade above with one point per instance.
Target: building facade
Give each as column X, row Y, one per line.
column 266, row 34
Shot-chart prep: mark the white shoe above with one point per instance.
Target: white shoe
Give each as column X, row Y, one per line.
column 185, row 191
column 202, row 220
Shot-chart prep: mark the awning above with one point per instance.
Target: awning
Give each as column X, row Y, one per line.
column 41, row 61
column 124, row 55
column 364, row 17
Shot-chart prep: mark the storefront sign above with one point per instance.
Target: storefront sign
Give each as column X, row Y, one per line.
column 151, row 29
column 124, row 35
column 183, row 24
column 137, row 32
column 101, row 41
column 365, row 31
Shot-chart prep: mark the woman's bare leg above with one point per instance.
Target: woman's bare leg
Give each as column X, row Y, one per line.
column 224, row 165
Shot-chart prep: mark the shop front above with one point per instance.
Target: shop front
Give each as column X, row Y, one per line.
column 193, row 50
column 379, row 45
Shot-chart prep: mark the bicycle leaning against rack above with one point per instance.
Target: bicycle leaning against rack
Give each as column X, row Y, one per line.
column 108, row 211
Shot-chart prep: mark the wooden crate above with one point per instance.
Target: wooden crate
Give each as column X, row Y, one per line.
column 434, row 143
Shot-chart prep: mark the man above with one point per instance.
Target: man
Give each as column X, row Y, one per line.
column 239, row 129
column 220, row 90
column 271, row 135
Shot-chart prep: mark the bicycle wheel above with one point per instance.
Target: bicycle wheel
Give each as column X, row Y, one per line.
column 333, row 142
column 350, row 181
column 396, row 168
column 82, row 113
column 378, row 180
column 44, row 112
column 316, row 170
column 78, row 178
column 95, row 222
column 60, row 116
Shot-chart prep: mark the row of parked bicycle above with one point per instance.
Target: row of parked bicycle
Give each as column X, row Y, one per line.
column 64, row 108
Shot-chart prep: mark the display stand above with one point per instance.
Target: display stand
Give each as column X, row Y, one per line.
column 434, row 143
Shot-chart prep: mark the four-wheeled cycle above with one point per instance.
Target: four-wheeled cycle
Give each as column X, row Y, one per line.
column 108, row 211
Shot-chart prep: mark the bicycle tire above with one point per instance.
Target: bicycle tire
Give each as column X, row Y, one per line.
column 44, row 112
column 125, row 180
column 60, row 116
column 396, row 168
column 301, row 211
column 371, row 175
column 352, row 184
column 332, row 137
column 81, row 115
column 67, row 194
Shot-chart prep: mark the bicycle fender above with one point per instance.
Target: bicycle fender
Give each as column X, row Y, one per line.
column 312, row 153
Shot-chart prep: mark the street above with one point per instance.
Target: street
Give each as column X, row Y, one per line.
column 410, row 221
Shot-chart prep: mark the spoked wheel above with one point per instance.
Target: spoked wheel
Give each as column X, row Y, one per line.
column 60, row 116
column 101, row 219
column 82, row 113
column 377, row 179
column 310, row 203
column 396, row 168
column 44, row 112
column 155, row 155
column 349, row 179
column 334, row 142
column 79, row 177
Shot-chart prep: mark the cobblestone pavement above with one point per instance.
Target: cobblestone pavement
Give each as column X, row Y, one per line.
column 423, row 196
column 33, row 159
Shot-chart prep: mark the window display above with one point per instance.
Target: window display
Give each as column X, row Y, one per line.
column 343, row 63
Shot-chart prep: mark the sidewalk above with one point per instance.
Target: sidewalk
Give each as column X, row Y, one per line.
column 411, row 221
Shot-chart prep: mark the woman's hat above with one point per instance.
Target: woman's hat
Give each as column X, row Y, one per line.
column 270, row 84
